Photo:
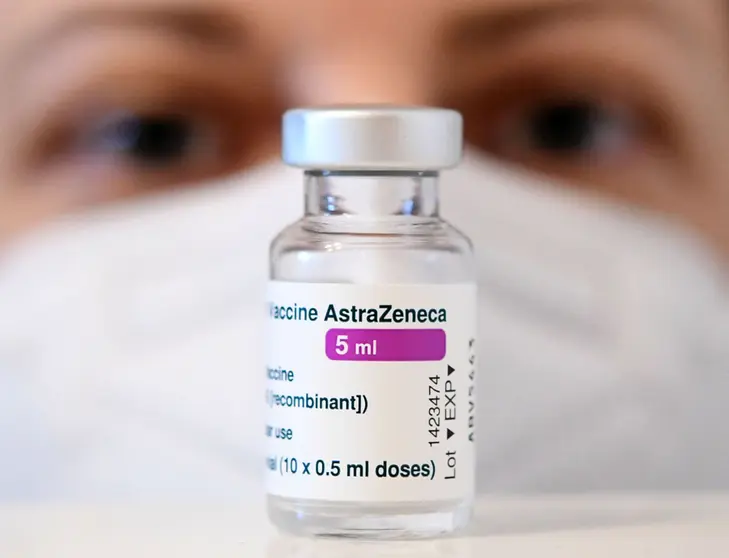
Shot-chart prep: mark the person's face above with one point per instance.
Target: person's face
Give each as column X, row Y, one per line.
column 104, row 99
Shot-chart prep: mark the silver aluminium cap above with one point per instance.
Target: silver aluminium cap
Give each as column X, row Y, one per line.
column 372, row 138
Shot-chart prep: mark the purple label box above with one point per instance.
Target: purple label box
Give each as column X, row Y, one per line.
column 386, row 345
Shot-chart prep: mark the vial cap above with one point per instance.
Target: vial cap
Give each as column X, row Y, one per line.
column 373, row 138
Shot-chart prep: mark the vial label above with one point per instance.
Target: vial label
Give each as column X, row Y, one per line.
column 370, row 392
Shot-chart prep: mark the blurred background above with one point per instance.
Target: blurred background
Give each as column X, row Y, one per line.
column 140, row 187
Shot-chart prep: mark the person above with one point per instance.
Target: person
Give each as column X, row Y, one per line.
column 137, row 197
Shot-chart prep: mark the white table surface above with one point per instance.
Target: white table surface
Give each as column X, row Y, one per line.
column 584, row 527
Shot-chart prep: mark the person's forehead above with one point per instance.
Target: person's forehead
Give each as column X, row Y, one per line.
column 288, row 22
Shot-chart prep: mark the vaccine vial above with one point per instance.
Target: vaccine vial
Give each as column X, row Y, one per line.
column 371, row 332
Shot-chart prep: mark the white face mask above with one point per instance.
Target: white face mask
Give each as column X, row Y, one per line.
column 130, row 344
column 132, row 338
column 604, row 357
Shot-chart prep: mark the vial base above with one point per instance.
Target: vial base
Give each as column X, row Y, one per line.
column 390, row 521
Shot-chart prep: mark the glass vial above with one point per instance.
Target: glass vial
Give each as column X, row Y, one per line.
column 371, row 324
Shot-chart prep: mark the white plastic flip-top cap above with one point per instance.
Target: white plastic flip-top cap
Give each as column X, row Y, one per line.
column 373, row 138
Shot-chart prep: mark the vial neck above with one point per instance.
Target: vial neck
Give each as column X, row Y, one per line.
column 371, row 194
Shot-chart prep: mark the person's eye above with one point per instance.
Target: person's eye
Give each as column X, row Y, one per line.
column 559, row 130
column 157, row 147
column 153, row 141
column 580, row 112
column 567, row 129
column 146, row 140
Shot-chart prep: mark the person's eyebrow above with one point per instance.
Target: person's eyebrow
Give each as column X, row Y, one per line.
column 203, row 26
column 502, row 24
